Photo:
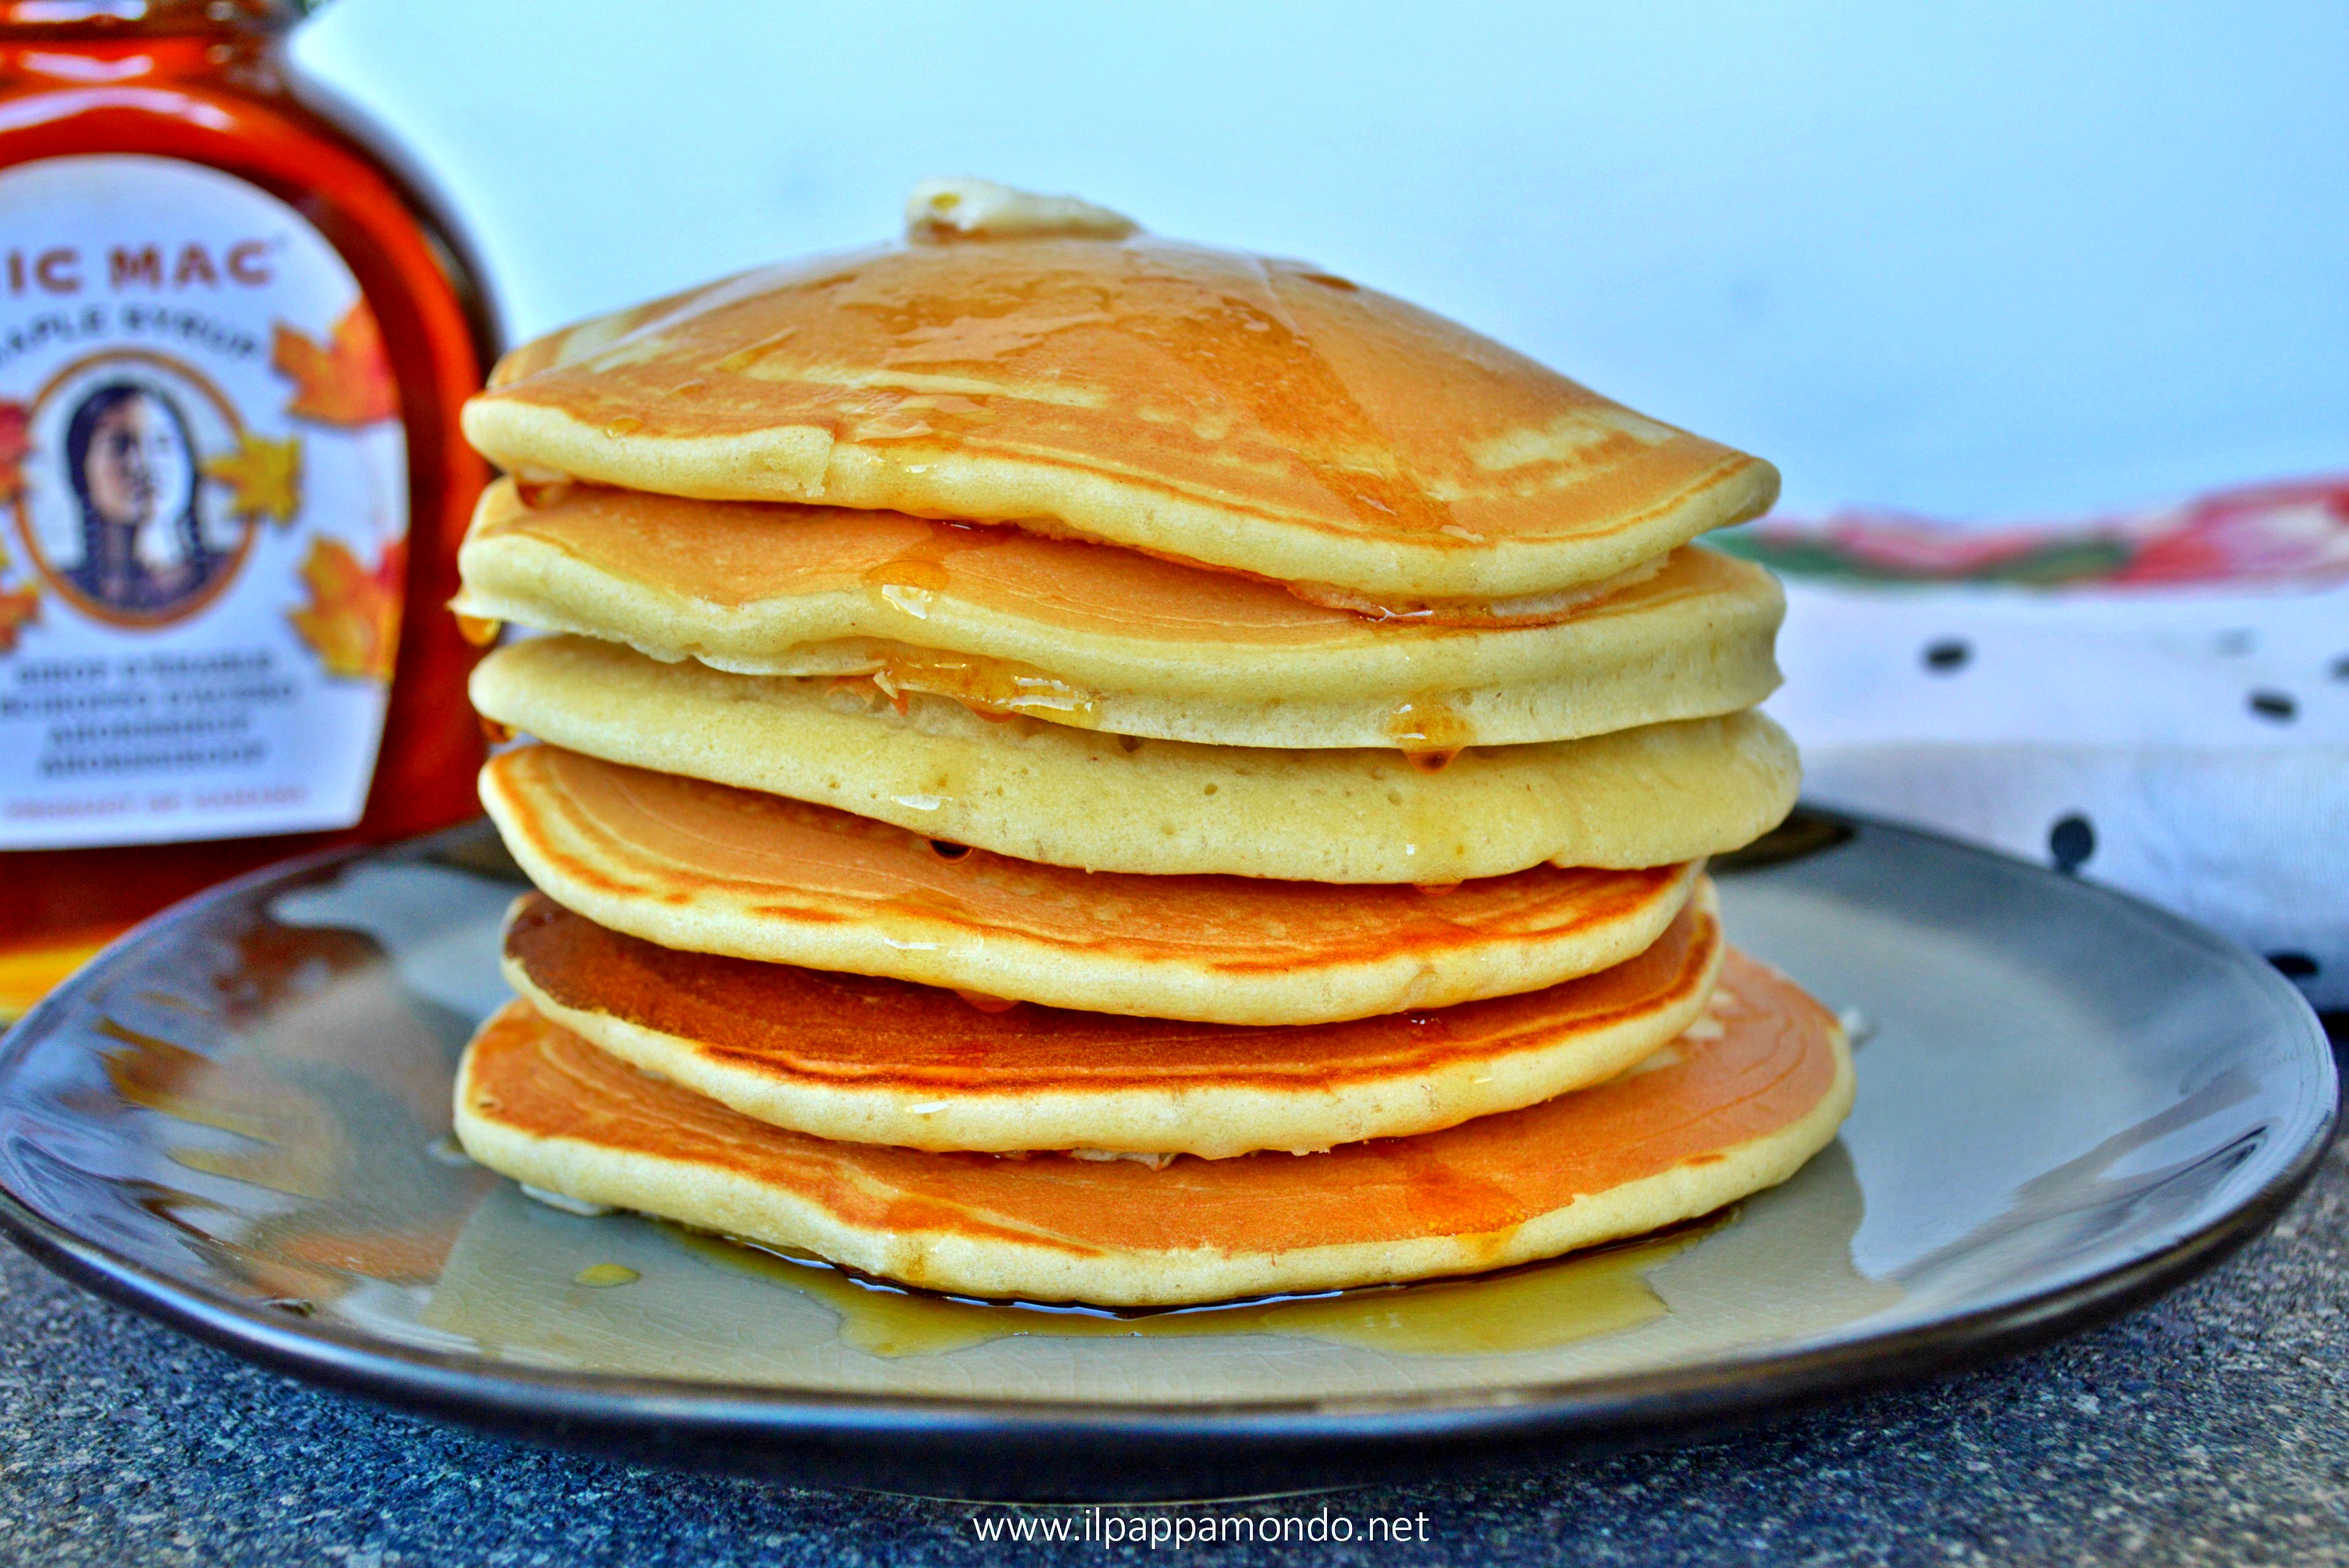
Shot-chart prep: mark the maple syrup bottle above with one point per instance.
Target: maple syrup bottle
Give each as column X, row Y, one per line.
column 233, row 339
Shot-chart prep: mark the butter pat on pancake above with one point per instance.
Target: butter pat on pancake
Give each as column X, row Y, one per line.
column 1708, row 1122
column 1103, row 638
column 1254, row 414
column 1066, row 797
column 710, row 869
column 881, row 1061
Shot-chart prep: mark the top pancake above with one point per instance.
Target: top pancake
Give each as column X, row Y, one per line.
column 1257, row 415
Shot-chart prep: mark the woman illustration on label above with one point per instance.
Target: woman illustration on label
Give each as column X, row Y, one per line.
column 132, row 466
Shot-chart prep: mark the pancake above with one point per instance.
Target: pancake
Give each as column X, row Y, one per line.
column 707, row 868
column 1105, row 638
column 1257, row 414
column 1066, row 797
column 1707, row 1121
column 880, row 1061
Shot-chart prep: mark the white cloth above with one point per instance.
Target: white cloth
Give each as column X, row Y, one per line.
column 2193, row 742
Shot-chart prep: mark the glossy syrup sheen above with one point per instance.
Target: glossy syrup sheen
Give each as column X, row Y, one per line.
column 853, row 1030
column 1773, row 1062
column 659, row 839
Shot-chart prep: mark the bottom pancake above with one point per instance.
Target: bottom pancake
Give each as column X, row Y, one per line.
column 1735, row 1105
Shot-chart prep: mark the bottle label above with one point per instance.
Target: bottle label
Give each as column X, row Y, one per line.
column 203, row 512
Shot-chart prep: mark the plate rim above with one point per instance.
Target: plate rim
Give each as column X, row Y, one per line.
column 1700, row 1396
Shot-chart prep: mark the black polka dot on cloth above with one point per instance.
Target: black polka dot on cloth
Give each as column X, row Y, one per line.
column 2341, row 668
column 1950, row 653
column 2293, row 965
column 2071, row 841
column 2274, row 704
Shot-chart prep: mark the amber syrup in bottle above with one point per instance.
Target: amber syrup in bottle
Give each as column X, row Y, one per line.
column 235, row 336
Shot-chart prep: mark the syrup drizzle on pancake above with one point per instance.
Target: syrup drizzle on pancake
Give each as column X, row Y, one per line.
column 1057, row 794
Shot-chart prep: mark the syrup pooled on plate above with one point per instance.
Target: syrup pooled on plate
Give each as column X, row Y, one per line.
column 1536, row 1306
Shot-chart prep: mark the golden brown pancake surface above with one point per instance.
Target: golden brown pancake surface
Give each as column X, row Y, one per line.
column 883, row 1061
column 1710, row 1121
column 732, row 555
column 1105, row 638
column 1249, row 413
column 713, row 868
column 739, row 555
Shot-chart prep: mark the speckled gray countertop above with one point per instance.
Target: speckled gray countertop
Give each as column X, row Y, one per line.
column 2210, row 1428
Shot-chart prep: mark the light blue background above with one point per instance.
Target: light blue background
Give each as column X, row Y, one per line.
column 1984, row 258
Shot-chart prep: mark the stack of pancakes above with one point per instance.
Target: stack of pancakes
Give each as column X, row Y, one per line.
column 1074, row 766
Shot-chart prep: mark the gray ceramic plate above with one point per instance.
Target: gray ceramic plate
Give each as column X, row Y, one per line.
column 235, row 1120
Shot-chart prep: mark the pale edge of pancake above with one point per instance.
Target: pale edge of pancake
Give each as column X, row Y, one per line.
column 1012, row 964
column 1004, row 1269
column 794, row 462
column 1213, row 1122
column 1674, row 684
column 1043, row 792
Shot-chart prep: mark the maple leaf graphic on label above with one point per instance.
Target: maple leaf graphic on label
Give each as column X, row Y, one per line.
column 352, row 622
column 344, row 380
column 263, row 477
column 19, row 607
column 15, row 442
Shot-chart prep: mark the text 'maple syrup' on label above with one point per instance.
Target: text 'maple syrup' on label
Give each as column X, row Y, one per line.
column 203, row 512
